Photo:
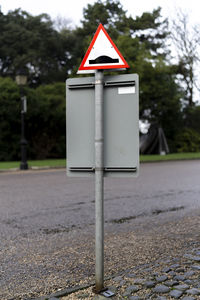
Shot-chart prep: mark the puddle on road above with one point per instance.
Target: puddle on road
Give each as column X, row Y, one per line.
column 57, row 230
column 117, row 198
column 160, row 211
column 152, row 213
column 126, row 219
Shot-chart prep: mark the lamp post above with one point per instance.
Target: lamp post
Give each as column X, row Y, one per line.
column 21, row 79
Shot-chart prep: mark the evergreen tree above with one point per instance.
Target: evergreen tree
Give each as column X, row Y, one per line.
column 31, row 41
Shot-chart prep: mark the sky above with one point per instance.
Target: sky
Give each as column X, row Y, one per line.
column 73, row 9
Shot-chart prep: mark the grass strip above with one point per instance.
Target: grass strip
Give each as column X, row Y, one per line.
column 56, row 163
column 171, row 156
column 53, row 163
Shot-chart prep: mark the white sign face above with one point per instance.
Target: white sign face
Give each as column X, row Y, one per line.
column 102, row 53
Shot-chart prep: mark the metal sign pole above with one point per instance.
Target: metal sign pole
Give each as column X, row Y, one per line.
column 99, row 182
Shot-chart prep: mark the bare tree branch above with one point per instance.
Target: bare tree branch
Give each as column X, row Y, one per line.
column 186, row 40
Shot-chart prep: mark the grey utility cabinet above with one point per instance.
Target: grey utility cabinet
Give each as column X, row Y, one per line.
column 121, row 126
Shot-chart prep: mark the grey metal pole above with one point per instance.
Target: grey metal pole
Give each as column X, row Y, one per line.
column 99, row 182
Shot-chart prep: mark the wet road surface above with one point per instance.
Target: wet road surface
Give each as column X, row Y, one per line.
column 49, row 201
column 43, row 212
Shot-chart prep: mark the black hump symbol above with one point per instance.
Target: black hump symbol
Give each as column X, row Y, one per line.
column 103, row 59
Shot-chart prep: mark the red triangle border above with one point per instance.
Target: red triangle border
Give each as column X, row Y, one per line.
column 125, row 65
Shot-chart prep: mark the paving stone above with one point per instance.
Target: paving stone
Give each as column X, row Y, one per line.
column 171, row 283
column 112, row 289
column 172, row 273
column 134, row 298
column 193, row 291
column 131, row 275
column 161, row 298
column 144, row 266
column 123, row 282
column 130, row 289
column 192, row 257
column 188, row 298
column 162, row 289
column 133, row 288
column 166, row 270
column 176, row 294
column 180, row 270
column 128, row 271
column 195, row 267
column 188, row 281
column 148, row 270
column 182, row 287
column 174, row 266
column 118, row 278
column 188, row 263
column 149, row 284
column 148, row 296
column 176, row 259
column 188, row 274
column 161, row 278
column 139, row 281
column 167, row 261
column 179, row 277
column 195, row 282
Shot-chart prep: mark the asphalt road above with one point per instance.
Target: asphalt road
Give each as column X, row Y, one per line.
column 42, row 211
column 49, row 201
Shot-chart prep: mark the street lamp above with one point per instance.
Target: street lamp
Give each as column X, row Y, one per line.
column 21, row 79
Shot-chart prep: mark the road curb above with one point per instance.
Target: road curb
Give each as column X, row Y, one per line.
column 64, row 292
column 17, row 170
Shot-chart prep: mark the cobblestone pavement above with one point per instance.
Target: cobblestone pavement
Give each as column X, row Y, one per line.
column 161, row 264
column 172, row 278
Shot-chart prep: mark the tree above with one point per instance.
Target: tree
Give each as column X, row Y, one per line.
column 187, row 41
column 32, row 41
column 151, row 30
column 160, row 100
column 109, row 13
column 188, row 140
column 45, row 121
column 10, row 120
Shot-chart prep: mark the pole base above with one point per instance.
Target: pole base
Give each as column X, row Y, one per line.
column 99, row 291
column 23, row 166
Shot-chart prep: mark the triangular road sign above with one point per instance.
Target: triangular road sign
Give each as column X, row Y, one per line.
column 102, row 53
